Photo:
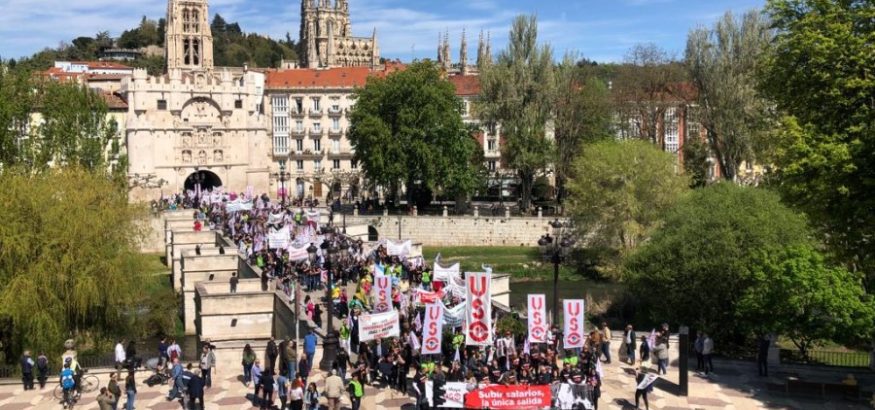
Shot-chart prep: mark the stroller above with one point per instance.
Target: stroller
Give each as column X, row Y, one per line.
column 160, row 376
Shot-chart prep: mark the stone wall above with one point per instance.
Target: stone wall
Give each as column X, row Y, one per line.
column 465, row 230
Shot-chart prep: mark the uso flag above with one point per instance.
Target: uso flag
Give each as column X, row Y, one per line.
column 574, row 334
column 431, row 332
column 478, row 309
column 537, row 319
column 382, row 293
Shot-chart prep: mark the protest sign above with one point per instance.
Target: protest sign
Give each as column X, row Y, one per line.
column 378, row 326
column 478, row 309
column 537, row 319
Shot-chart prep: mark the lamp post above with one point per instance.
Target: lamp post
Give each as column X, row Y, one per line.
column 333, row 255
column 557, row 248
column 283, row 176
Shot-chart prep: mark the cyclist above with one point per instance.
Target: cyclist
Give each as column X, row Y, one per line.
column 68, row 383
column 77, row 373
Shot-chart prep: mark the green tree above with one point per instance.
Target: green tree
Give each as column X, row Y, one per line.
column 819, row 72
column 696, row 161
column 16, row 105
column 619, row 192
column 517, row 96
column 407, row 130
column 723, row 63
column 583, row 114
column 68, row 262
column 735, row 261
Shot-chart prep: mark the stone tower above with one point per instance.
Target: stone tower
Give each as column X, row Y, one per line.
column 188, row 40
column 326, row 37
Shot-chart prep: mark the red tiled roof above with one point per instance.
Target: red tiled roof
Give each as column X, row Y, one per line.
column 103, row 64
column 107, row 77
column 466, row 85
column 114, row 101
column 345, row 77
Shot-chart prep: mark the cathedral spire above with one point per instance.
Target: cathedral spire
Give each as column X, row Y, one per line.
column 463, row 54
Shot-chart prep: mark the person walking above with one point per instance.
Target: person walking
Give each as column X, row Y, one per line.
column 120, row 354
column 312, row 397
column 356, row 391
column 256, row 376
column 292, row 359
column 304, row 368
column 42, row 368
column 68, row 382
column 606, row 342
column 644, row 350
column 661, row 352
column 27, row 365
column 707, row 351
column 196, row 392
column 641, row 391
column 763, row 345
column 296, row 394
column 106, row 400
column 698, row 345
column 131, row 389
column 310, row 346
column 333, row 390
column 234, row 281
column 208, row 363
column 175, row 379
column 282, row 390
column 270, row 355
column 630, row 340
column 114, row 389
column 267, row 383
column 247, row 362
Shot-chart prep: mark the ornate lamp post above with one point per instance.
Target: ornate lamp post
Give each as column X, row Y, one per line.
column 558, row 247
column 283, row 176
column 333, row 255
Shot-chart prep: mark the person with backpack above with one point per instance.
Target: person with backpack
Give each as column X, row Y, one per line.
column 68, row 383
column 356, row 391
column 27, row 365
column 42, row 368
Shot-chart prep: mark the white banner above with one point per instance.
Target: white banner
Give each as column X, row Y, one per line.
column 378, row 326
column 537, row 319
column 455, row 316
column 298, row 253
column 454, row 394
column 382, row 293
column 431, row 332
column 478, row 309
column 648, row 379
column 398, row 248
column 279, row 238
column 238, row 205
column 449, row 274
column 574, row 319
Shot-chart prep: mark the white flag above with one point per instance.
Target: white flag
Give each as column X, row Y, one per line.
column 574, row 320
column 537, row 319
column 478, row 309
column 431, row 332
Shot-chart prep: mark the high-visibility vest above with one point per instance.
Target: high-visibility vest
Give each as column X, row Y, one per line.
column 357, row 389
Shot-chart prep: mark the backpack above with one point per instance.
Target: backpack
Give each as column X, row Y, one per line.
column 67, row 380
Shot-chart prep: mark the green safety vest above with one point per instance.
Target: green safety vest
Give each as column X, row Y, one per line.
column 344, row 332
column 357, row 388
column 426, row 278
column 458, row 340
column 571, row 360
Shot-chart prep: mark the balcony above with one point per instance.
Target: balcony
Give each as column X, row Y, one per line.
column 297, row 114
column 335, row 132
column 339, row 155
column 298, row 132
column 315, row 113
column 308, row 154
column 315, row 132
column 492, row 153
column 335, row 113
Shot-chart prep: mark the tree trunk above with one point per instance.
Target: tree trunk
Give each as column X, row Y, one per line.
column 527, row 180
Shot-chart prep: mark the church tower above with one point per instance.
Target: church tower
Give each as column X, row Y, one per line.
column 326, row 37
column 188, row 41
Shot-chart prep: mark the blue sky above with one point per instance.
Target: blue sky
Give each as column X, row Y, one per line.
column 602, row 30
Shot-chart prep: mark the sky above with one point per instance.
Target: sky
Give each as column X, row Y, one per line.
column 601, row 30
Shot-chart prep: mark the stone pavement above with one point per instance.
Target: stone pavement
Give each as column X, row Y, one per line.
column 734, row 387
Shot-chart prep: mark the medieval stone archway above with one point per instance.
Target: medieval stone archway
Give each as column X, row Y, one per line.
column 206, row 180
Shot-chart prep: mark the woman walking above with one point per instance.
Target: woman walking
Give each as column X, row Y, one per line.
column 641, row 391
column 296, row 394
column 131, row 389
column 248, row 360
column 312, row 397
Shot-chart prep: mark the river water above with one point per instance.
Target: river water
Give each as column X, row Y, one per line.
column 597, row 292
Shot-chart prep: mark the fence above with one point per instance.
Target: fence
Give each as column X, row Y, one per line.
column 826, row 358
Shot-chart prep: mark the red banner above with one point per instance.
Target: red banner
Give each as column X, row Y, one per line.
column 478, row 309
column 519, row 397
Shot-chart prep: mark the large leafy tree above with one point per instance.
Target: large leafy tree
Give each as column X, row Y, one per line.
column 820, row 73
column 619, row 191
column 723, row 63
column 407, row 130
column 517, row 96
column 584, row 114
column 735, row 261
column 69, row 261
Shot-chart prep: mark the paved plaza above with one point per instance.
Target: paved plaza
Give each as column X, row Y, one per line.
column 735, row 386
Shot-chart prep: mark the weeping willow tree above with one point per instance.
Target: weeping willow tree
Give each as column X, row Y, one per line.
column 69, row 262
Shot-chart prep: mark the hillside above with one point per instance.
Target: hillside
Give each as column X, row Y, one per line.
column 231, row 47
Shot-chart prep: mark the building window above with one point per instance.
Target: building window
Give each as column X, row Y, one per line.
column 238, row 104
column 492, row 165
column 280, row 104
column 317, row 127
column 299, row 126
column 335, row 108
column 317, row 165
column 162, row 105
column 335, row 124
column 354, row 164
column 491, row 145
column 672, row 140
column 317, row 145
column 299, row 105
column 316, row 105
column 299, row 164
column 299, row 145
column 335, row 164
column 335, row 146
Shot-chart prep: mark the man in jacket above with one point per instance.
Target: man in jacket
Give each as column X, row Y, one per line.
column 175, row 380
column 629, row 340
column 114, row 389
column 208, row 363
column 333, row 390
column 120, row 355
column 27, row 370
column 270, row 355
column 196, row 392
column 106, row 400
column 310, row 346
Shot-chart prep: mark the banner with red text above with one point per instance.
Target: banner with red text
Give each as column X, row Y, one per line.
column 537, row 319
column 574, row 320
column 478, row 309
column 517, row 397
column 431, row 331
column 382, row 293
column 378, row 326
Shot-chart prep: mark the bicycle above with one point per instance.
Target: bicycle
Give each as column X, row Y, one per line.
column 87, row 384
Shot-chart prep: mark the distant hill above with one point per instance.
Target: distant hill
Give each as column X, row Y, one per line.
column 231, row 47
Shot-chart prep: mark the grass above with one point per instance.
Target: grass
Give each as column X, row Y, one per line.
column 523, row 263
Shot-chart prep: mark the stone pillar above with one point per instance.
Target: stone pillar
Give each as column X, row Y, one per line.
column 385, row 211
column 415, row 211
column 445, row 211
column 355, row 211
column 540, row 213
column 506, row 212
column 476, row 211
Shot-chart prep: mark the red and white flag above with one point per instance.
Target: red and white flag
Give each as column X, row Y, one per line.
column 478, row 309
column 537, row 319
column 574, row 317
column 382, row 293
column 431, row 332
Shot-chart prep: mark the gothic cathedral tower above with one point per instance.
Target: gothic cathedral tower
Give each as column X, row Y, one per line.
column 188, row 42
column 326, row 38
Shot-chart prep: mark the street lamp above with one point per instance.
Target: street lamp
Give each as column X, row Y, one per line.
column 283, row 177
column 198, row 178
column 332, row 253
column 558, row 248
